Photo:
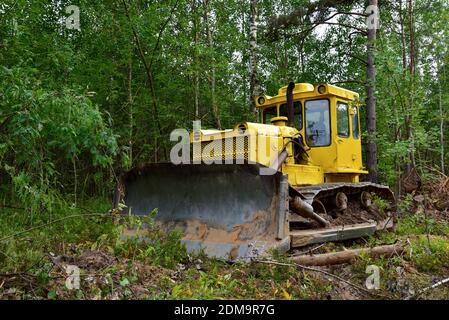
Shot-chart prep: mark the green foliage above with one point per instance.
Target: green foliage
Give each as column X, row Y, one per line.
column 405, row 205
column 80, row 103
column 420, row 224
column 380, row 203
column 149, row 243
column 47, row 133
column 382, row 238
column 430, row 255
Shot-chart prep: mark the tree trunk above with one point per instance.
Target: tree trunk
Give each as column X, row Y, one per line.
column 254, row 85
column 404, row 54
column 301, row 63
column 215, row 110
column 130, row 109
column 409, row 115
column 244, row 72
column 285, row 62
column 440, row 103
column 149, row 74
column 404, row 110
column 196, row 77
column 371, row 147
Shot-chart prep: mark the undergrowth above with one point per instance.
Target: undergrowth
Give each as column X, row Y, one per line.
column 156, row 265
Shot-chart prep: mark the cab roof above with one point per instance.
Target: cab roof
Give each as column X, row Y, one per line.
column 307, row 90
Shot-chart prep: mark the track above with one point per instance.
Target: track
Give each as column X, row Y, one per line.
column 342, row 204
column 355, row 220
column 312, row 193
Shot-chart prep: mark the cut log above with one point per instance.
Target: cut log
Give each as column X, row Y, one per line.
column 347, row 256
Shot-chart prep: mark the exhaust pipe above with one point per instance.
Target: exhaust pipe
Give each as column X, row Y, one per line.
column 290, row 109
column 276, row 165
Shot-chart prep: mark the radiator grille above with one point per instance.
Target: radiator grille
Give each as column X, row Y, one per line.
column 235, row 148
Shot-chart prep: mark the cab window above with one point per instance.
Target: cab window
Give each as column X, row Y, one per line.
column 269, row 113
column 298, row 113
column 317, row 121
column 355, row 123
column 342, row 120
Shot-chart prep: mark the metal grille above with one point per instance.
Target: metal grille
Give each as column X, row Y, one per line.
column 225, row 149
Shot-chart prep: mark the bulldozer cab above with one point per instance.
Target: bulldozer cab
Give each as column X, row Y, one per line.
column 327, row 118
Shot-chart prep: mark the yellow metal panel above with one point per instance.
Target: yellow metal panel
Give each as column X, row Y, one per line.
column 303, row 174
column 299, row 88
column 304, row 91
column 342, row 177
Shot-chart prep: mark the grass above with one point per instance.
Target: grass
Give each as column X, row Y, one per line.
column 161, row 268
column 158, row 268
column 417, row 224
column 27, row 249
column 430, row 255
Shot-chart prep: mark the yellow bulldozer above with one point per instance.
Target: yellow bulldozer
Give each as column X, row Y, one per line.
column 289, row 181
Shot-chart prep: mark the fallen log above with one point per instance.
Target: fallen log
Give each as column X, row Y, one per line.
column 347, row 256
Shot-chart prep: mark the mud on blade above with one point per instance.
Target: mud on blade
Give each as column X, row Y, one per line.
column 230, row 211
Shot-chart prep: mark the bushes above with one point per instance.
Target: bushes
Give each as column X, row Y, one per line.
column 48, row 139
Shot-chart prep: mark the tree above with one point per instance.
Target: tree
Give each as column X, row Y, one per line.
column 254, row 85
column 371, row 147
column 213, row 74
column 148, row 67
column 324, row 16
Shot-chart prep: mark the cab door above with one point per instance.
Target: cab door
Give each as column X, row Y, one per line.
column 346, row 150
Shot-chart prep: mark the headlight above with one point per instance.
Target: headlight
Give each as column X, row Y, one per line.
column 322, row 89
column 241, row 128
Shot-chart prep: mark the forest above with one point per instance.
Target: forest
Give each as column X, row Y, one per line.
column 91, row 89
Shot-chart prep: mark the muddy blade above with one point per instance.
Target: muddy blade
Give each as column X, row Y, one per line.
column 227, row 210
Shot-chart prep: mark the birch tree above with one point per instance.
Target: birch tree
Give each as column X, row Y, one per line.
column 254, row 85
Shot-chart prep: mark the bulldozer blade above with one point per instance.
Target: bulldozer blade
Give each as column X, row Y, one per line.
column 229, row 211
